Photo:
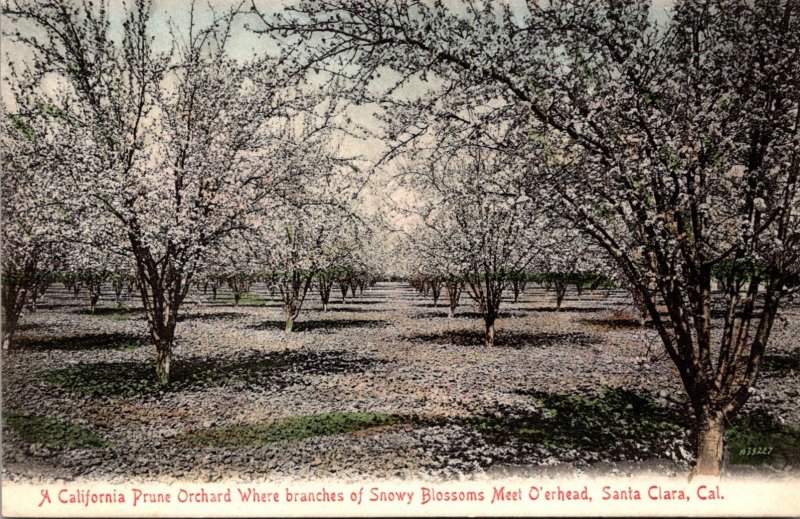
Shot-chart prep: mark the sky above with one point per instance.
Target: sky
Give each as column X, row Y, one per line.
column 167, row 14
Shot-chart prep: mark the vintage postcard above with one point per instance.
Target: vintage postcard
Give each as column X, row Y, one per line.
column 400, row 258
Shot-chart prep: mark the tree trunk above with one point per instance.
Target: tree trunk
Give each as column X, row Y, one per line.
column 13, row 301
column 236, row 298
column 325, row 286
column 489, row 333
column 163, row 358
column 11, row 307
column 561, row 290
column 118, row 293
column 162, row 294
column 710, row 446
column 32, row 305
column 289, row 324
column 453, row 289
column 93, row 301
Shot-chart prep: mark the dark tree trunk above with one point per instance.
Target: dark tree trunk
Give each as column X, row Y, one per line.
column 239, row 285
column 486, row 289
column 325, row 284
column 14, row 296
column 489, row 322
column 294, row 288
column 119, row 286
column 436, row 289
column 453, row 289
column 561, row 290
column 94, row 296
column 162, row 286
column 35, row 294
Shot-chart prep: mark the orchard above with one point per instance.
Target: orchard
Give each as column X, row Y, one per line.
column 400, row 239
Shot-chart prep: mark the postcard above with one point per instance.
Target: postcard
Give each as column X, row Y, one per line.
column 435, row 258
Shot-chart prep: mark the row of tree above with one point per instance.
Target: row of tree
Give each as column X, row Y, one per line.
column 671, row 144
column 167, row 158
column 561, row 136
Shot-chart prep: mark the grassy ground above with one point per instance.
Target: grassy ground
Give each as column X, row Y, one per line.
column 289, row 429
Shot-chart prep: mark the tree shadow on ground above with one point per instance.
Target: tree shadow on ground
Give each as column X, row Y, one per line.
column 501, row 315
column 230, row 304
column 320, row 324
column 114, row 314
column 622, row 425
column 613, row 323
column 96, row 341
column 432, row 315
column 616, row 425
column 781, row 362
column 504, row 338
column 24, row 327
column 211, row 316
column 249, row 371
column 355, row 302
column 758, row 438
column 568, row 309
column 345, row 309
column 442, row 312
column 104, row 311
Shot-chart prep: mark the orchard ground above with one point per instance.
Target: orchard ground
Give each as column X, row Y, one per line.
column 383, row 386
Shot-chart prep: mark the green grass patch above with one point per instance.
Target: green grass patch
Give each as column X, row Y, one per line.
column 250, row 299
column 758, row 439
column 53, row 432
column 290, row 429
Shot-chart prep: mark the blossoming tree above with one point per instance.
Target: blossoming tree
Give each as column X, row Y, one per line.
column 673, row 145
